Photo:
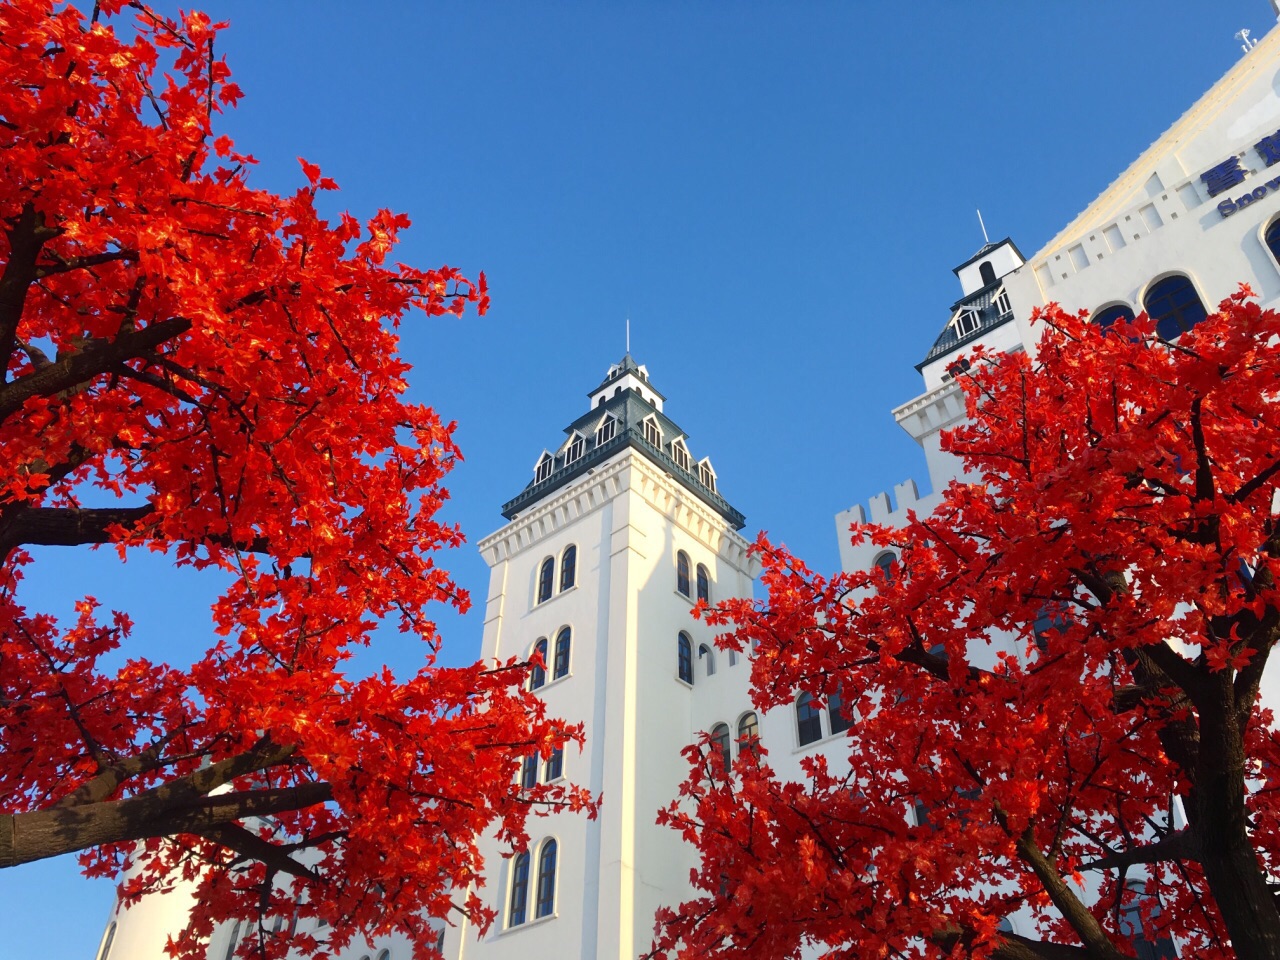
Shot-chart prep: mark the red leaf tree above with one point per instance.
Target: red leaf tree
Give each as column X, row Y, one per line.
column 1062, row 672
column 198, row 367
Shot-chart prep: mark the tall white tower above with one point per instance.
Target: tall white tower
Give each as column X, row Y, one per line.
column 604, row 555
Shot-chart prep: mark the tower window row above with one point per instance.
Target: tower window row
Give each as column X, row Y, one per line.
column 547, row 573
column 552, row 768
column 722, row 742
column 683, row 580
column 558, row 664
column 706, row 657
column 544, row 883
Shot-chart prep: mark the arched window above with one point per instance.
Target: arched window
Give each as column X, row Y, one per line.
column 105, row 950
column 707, row 657
column 733, row 658
column 1116, row 313
column 546, row 579
column 651, row 432
column 538, row 672
column 529, row 772
column 546, row 895
column 1272, row 238
column 704, row 584
column 604, row 433
column 555, row 766
column 987, row 272
column 568, row 566
column 682, row 572
column 545, row 466
column 684, row 657
column 722, row 748
column 561, row 665
column 749, row 734
column 575, row 449
column 384, row 954
column 1005, row 926
column 885, row 564
column 519, row 890
column 808, row 720
column 1174, row 305
column 835, row 715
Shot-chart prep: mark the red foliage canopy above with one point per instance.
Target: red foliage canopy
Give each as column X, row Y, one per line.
column 213, row 363
column 1064, row 672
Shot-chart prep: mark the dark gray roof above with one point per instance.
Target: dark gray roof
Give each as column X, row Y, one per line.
column 987, row 248
column 626, row 365
column 990, row 315
column 630, row 410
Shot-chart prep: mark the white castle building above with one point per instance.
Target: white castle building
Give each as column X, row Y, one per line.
column 621, row 530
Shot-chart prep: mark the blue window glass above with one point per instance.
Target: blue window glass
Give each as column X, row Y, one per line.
column 538, row 673
column 684, row 647
column 1174, row 305
column 561, row 667
column 568, row 566
column 1116, row 313
column 682, row 572
column 545, row 579
column 1272, row 237
column 519, row 890
column 835, row 714
column 808, row 720
column 704, row 584
column 546, row 895
column 555, row 765
column 529, row 772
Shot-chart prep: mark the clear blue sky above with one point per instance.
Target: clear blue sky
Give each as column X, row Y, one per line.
column 775, row 193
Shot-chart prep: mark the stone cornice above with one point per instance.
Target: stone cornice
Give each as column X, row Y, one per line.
column 936, row 410
column 629, row 471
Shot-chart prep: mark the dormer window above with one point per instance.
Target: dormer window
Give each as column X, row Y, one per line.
column 575, row 449
column 707, row 476
column 605, row 432
column 965, row 322
column 680, row 454
column 545, row 466
column 651, row 432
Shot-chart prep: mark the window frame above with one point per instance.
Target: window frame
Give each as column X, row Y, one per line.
column 683, row 571
column 560, row 664
column 1166, row 322
column 538, row 672
column 544, row 468
column 517, row 913
column 546, row 580
column 684, row 657
column 544, row 891
column 553, row 769
column 703, row 580
column 568, row 567
column 808, row 719
column 749, row 733
column 722, row 737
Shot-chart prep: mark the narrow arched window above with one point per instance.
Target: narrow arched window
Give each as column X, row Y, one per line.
column 561, row 666
column 546, row 897
column 519, row 890
column 1272, row 238
column 1116, row 313
column 568, row 566
column 722, row 755
column 546, row 579
column 529, row 772
column 749, row 734
column 682, row 572
column 885, row 563
column 105, row 951
column 835, row 714
column 384, row 954
column 1174, row 305
column 808, row 720
column 707, row 658
column 704, row 584
column 555, row 765
column 538, row 672
column 684, row 657
column 987, row 272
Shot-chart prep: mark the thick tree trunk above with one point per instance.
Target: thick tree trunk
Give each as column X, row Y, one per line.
column 1230, row 864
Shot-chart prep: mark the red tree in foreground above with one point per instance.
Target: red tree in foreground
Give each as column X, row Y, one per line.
column 207, row 365
column 1121, row 495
